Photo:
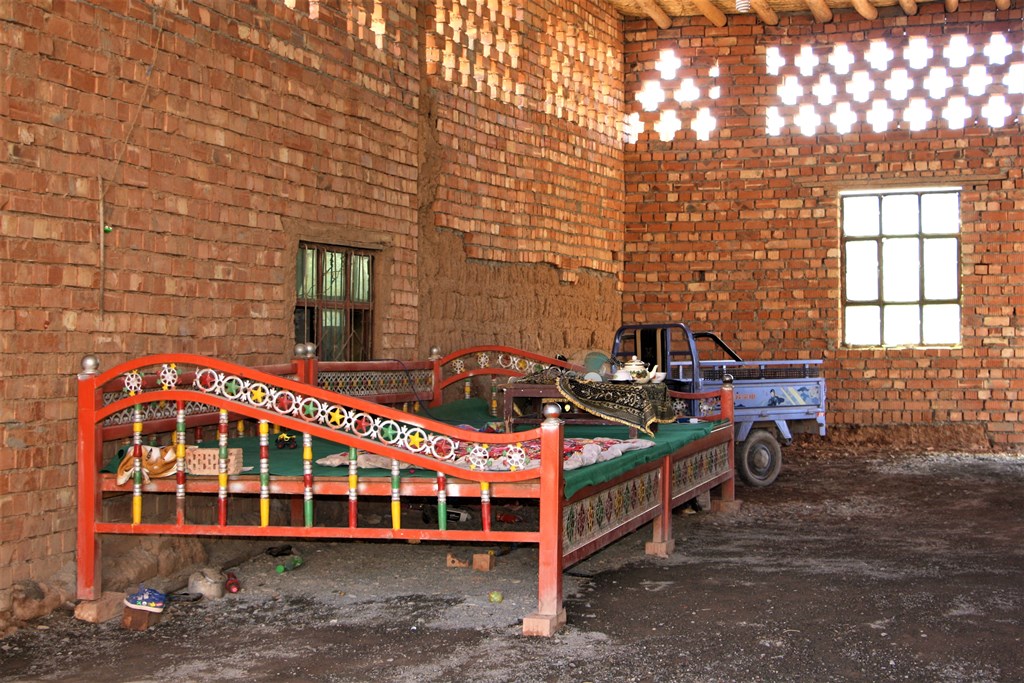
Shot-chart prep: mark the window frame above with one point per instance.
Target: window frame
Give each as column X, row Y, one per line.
column 318, row 304
column 923, row 238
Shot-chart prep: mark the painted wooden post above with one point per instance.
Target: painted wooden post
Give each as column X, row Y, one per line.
column 90, row 498
column 179, row 464
column 550, row 614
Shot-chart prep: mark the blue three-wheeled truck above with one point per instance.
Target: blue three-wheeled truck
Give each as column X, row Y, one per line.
column 773, row 399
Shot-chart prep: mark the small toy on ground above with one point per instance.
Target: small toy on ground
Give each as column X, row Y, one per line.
column 285, row 440
column 291, row 564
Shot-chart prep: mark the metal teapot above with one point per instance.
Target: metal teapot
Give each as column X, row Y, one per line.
column 638, row 371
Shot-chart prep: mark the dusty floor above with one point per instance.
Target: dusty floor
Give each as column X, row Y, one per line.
column 879, row 567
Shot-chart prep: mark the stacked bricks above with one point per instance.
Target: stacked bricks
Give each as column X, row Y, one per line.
column 739, row 234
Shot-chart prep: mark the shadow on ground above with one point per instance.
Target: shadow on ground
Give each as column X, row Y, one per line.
column 882, row 567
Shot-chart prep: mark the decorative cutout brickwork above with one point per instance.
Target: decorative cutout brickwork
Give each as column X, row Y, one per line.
column 915, row 83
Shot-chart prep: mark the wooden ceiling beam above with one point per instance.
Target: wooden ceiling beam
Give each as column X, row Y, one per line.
column 765, row 13
column 655, row 12
column 951, row 5
column 711, row 12
column 909, row 7
column 865, row 9
column 821, row 11
column 1002, row 4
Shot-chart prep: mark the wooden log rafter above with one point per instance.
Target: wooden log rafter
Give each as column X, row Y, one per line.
column 820, row 10
column 765, row 12
column 655, row 12
column 909, row 7
column 866, row 9
column 711, row 12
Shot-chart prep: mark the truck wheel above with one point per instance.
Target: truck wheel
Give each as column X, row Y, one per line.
column 759, row 458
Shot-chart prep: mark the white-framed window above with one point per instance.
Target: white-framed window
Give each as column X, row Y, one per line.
column 901, row 267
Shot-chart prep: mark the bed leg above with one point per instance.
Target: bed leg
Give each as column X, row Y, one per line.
column 90, row 501
column 550, row 614
column 663, row 544
column 726, row 498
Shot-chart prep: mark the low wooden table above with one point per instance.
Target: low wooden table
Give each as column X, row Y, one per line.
column 539, row 394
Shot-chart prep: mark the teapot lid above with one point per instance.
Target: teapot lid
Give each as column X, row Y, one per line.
column 635, row 363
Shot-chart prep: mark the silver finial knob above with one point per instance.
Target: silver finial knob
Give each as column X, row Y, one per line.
column 90, row 365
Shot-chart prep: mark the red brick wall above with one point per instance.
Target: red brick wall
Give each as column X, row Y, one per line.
column 521, row 186
column 739, row 234
column 223, row 133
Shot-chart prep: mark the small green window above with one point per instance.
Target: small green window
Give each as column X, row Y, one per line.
column 334, row 301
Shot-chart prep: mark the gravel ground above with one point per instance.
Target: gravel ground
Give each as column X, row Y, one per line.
column 868, row 567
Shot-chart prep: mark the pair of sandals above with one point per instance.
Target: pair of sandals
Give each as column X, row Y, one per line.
column 156, row 463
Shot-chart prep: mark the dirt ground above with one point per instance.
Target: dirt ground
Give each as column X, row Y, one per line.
column 874, row 566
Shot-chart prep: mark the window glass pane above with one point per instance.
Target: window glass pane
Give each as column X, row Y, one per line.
column 863, row 325
column 334, row 275
column 360, row 343
column 332, row 340
column 862, row 270
column 860, row 216
column 940, row 268
column 902, row 325
column 305, row 324
column 940, row 213
column 361, row 278
column 305, row 273
column 942, row 324
column 901, row 270
column 899, row 214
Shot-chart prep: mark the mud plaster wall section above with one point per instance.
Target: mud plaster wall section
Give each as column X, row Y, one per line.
column 212, row 137
column 739, row 233
column 521, row 180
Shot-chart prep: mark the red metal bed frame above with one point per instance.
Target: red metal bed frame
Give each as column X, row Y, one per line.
column 184, row 391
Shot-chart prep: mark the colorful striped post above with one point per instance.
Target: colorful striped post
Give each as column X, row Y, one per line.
column 179, row 464
column 353, row 487
column 137, row 464
column 396, row 506
column 485, row 504
column 264, row 473
column 307, row 478
column 222, row 469
column 442, row 502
